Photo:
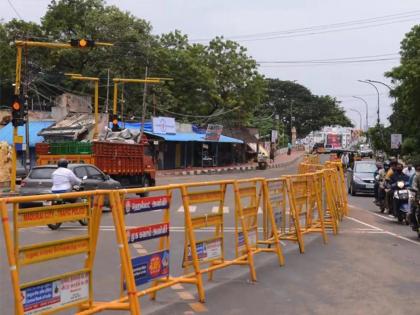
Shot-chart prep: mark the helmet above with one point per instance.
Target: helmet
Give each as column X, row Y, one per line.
column 386, row 165
column 62, row 163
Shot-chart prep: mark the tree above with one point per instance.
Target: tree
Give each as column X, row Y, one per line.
column 406, row 78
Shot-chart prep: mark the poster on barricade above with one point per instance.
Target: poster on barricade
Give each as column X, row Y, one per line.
column 136, row 205
column 151, row 266
column 50, row 295
column 252, row 238
column 207, row 250
column 143, row 233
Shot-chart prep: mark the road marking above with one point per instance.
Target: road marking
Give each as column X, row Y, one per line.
column 364, row 223
column 140, row 249
column 389, row 218
column 198, row 307
column 177, row 286
column 385, row 231
column 215, row 209
column 185, row 295
column 192, row 209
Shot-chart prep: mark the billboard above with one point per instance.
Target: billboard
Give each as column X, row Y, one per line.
column 213, row 132
column 335, row 140
column 164, row 125
column 396, row 141
column 149, row 267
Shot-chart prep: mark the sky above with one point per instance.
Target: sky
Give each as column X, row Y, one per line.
column 275, row 23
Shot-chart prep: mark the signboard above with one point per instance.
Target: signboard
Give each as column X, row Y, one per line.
column 52, row 214
column 144, row 233
column 136, row 205
column 52, row 250
column 49, row 295
column 164, row 125
column 149, row 267
column 213, row 132
column 334, row 140
column 396, row 141
column 207, row 250
column 252, row 238
column 274, row 136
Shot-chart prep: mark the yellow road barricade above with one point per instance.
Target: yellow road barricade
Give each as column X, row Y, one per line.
column 286, row 224
column 209, row 250
column 249, row 203
column 305, row 198
column 72, row 288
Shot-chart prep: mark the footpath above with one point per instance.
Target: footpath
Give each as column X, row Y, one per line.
column 280, row 160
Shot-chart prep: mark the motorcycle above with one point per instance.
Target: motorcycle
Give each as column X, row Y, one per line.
column 402, row 198
column 84, row 222
column 415, row 216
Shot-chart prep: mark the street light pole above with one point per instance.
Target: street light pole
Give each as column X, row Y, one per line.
column 367, row 110
column 377, row 92
column 360, row 116
column 384, row 84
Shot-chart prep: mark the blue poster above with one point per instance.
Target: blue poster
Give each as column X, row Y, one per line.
column 149, row 267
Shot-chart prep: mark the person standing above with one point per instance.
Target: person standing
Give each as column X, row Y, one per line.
column 289, row 148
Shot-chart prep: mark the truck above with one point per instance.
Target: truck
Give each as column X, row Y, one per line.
column 333, row 141
column 130, row 164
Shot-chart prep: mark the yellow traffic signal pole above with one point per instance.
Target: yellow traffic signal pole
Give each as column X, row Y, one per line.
column 96, row 96
column 19, row 45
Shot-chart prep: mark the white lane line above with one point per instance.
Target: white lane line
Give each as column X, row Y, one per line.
column 386, row 232
column 384, row 217
column 215, row 209
column 192, row 209
column 366, row 224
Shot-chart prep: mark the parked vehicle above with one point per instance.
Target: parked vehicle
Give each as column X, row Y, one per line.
column 262, row 162
column 365, row 151
column 130, row 164
column 39, row 181
column 360, row 178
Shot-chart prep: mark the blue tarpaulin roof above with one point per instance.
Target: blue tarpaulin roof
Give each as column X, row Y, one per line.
column 197, row 135
column 6, row 133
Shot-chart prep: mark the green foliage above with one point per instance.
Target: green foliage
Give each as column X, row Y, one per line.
column 409, row 146
column 218, row 82
column 380, row 138
column 406, row 77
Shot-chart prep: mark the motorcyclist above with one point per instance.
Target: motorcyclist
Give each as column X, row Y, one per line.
column 63, row 179
column 389, row 193
column 415, row 187
column 376, row 186
column 382, row 184
column 397, row 176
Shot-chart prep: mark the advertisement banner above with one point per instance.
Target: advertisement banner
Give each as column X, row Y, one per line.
column 396, row 141
column 136, row 205
column 144, row 233
column 213, row 132
column 252, row 238
column 53, row 294
column 52, row 214
column 334, row 140
column 207, row 250
column 274, row 136
column 149, row 267
column 164, row 125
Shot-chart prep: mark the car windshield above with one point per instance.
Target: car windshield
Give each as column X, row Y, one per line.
column 42, row 173
column 365, row 168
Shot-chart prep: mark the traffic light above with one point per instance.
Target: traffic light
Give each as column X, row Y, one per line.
column 82, row 43
column 114, row 120
column 18, row 113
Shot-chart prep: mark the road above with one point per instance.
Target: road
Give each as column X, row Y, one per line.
column 370, row 267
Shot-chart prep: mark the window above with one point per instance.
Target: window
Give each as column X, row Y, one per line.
column 42, row 173
column 365, row 168
column 94, row 173
column 80, row 172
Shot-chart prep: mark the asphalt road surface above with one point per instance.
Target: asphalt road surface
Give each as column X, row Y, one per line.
column 371, row 267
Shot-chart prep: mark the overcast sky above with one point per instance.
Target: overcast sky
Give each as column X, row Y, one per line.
column 206, row 19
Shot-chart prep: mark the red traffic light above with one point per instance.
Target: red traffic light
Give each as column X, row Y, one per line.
column 16, row 106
